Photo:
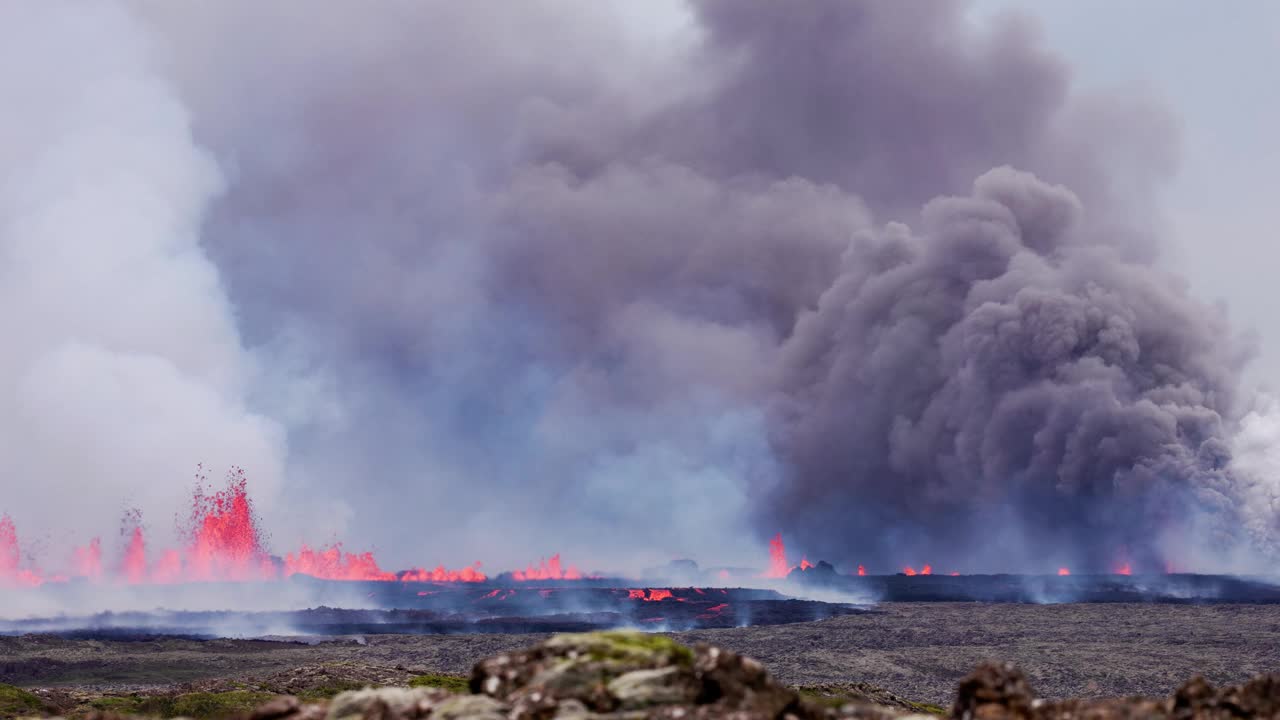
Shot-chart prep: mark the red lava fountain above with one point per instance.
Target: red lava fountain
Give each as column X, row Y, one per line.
column 548, row 570
column 223, row 543
column 778, row 565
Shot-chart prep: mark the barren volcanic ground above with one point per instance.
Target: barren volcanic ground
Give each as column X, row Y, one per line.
column 916, row 650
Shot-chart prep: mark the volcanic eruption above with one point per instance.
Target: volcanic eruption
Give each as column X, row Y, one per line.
column 873, row 273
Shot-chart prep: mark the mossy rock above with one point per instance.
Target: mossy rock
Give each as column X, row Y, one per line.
column 629, row 648
column 452, row 683
column 16, row 702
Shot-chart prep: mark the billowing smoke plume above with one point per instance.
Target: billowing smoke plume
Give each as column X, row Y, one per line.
column 532, row 279
column 122, row 367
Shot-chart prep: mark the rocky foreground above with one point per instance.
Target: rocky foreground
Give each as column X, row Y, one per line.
column 635, row 676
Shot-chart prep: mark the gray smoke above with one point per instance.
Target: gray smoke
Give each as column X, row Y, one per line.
column 528, row 279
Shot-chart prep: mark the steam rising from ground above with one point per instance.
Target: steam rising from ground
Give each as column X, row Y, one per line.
column 539, row 281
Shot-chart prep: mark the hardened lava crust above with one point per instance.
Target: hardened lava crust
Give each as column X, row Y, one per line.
column 915, row 650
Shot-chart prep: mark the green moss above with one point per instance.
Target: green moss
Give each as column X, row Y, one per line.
column 624, row 646
column 116, row 704
column 16, row 702
column 452, row 683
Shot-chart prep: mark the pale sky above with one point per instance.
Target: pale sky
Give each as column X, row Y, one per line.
column 1217, row 67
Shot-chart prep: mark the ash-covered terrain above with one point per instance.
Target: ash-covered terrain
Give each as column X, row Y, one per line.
column 914, row 650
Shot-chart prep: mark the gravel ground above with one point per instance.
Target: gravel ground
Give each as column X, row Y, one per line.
column 916, row 650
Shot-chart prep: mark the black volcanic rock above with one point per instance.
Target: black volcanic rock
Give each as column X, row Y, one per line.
column 822, row 574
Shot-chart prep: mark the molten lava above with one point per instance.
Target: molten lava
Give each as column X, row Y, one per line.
column 926, row 570
column 1063, row 571
column 88, row 560
column 777, row 558
column 910, row 571
column 334, row 564
column 862, row 571
column 1124, row 569
column 222, row 543
column 11, row 572
column 778, row 566
column 653, row 595
column 547, row 570
column 442, row 575
column 225, row 543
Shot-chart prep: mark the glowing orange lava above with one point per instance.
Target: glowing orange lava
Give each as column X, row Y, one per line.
column 777, row 558
column 1063, row 571
column 11, row 572
column 778, row 566
column 442, row 575
column 548, row 570
column 1124, row 569
column 862, row 571
column 652, row 595
column 334, row 564
column 87, row 560
column 909, row 570
column 926, row 570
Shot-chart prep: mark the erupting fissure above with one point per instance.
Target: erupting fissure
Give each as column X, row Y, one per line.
column 223, row 543
column 548, row 570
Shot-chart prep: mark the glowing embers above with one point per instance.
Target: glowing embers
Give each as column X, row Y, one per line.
column 547, row 570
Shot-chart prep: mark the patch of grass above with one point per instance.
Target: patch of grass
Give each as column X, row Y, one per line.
column 328, row 690
column 929, row 708
column 16, row 702
column 116, row 704
column 202, row 705
column 216, row 705
column 452, row 683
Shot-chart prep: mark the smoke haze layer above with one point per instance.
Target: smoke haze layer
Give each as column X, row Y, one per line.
column 510, row 283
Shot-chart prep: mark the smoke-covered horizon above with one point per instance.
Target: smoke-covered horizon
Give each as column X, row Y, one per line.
column 457, row 284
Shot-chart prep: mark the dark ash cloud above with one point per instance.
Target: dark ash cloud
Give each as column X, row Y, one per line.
column 518, row 283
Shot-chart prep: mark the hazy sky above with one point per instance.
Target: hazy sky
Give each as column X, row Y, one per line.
column 1215, row 66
